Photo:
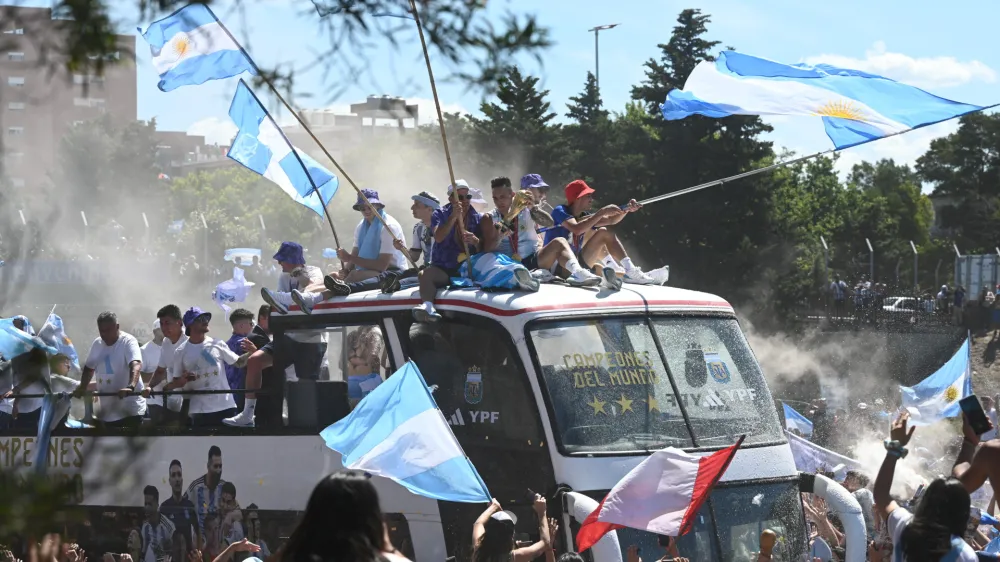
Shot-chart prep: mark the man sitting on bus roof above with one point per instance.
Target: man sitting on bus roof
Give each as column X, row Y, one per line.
column 295, row 274
column 373, row 254
column 575, row 223
column 521, row 241
column 389, row 281
column 450, row 243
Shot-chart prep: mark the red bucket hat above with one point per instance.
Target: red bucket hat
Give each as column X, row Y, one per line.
column 577, row 189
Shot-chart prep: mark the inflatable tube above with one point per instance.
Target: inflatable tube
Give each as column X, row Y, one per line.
column 608, row 548
column 847, row 507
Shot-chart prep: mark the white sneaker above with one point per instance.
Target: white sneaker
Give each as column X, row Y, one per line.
column 422, row 315
column 304, row 302
column 660, row 275
column 525, row 281
column 542, row 275
column 583, row 278
column 611, row 279
column 269, row 298
column 637, row 276
column 242, row 419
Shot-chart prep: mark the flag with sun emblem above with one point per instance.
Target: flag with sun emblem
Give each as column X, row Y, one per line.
column 191, row 47
column 936, row 397
column 856, row 107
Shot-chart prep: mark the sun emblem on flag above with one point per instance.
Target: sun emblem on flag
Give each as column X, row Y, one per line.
column 181, row 45
column 951, row 394
column 843, row 109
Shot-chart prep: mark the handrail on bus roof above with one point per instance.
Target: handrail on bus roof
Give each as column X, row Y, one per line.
column 151, row 394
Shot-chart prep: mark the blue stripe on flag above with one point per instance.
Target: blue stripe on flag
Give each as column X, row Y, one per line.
column 44, row 434
column 428, row 484
column 293, row 164
column 365, row 428
column 198, row 70
column 184, row 20
column 936, row 397
column 905, row 104
column 402, row 450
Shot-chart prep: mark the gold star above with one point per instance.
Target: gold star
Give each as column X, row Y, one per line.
column 598, row 406
column 626, row 404
column 653, row 405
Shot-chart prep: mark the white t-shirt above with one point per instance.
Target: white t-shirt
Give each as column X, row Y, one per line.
column 205, row 360
column 900, row 518
column 111, row 369
column 286, row 284
column 166, row 360
column 397, row 260
column 150, row 359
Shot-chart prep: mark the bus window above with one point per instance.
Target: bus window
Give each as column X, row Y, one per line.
column 719, row 379
column 607, row 386
column 477, row 383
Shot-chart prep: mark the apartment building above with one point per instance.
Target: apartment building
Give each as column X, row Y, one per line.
column 40, row 100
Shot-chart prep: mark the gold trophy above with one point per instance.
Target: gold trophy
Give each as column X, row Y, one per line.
column 522, row 200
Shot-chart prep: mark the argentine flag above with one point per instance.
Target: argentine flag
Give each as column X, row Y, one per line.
column 54, row 334
column 856, row 107
column 937, row 396
column 262, row 147
column 398, row 432
column 795, row 420
column 14, row 342
column 810, row 457
column 191, row 47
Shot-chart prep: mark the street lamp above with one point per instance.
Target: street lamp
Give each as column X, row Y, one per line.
column 597, row 66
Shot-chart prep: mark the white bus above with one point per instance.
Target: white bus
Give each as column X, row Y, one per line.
column 560, row 392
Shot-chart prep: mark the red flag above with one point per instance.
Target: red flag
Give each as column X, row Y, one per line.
column 661, row 495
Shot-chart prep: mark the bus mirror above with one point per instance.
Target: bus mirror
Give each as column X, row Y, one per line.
column 695, row 368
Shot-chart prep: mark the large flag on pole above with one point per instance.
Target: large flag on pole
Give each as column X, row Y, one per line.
column 14, row 342
column 263, row 148
column 936, row 397
column 191, row 47
column 398, row 432
column 662, row 495
column 856, row 107
column 795, row 420
column 810, row 457
column 54, row 334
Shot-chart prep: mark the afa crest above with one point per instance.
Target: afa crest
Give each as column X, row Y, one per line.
column 718, row 368
column 474, row 386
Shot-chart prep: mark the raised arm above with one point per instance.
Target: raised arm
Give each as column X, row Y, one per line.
column 529, row 553
column 884, row 505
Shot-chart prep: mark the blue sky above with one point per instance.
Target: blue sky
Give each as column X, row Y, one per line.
column 931, row 45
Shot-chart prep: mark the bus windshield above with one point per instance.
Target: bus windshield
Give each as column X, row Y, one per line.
column 733, row 519
column 637, row 384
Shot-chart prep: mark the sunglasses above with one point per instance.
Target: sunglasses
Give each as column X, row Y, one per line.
column 464, row 197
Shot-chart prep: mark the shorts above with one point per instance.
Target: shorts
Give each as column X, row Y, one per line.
column 358, row 386
column 450, row 271
column 530, row 262
column 307, row 358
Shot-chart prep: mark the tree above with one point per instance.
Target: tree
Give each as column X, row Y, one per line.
column 721, row 227
column 519, row 128
column 964, row 168
column 591, row 136
column 587, row 107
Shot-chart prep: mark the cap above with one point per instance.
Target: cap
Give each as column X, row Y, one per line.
column 531, row 181
column 371, row 195
column 290, row 252
column 427, row 199
column 156, row 324
column 462, row 184
column 577, row 189
column 191, row 315
column 505, row 516
column 478, row 201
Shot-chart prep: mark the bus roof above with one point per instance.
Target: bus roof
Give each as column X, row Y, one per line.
column 549, row 298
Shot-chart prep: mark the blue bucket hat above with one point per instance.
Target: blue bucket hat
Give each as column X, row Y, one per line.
column 371, row 195
column 533, row 181
column 191, row 315
column 290, row 252
column 427, row 199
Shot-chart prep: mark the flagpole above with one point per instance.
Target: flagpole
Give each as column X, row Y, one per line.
column 444, row 136
column 312, row 135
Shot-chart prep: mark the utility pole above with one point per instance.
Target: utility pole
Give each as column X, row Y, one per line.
column 597, row 57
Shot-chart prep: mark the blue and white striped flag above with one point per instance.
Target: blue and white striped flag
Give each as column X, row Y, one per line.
column 810, row 457
column 14, row 342
column 490, row 270
column 856, row 107
column 795, row 420
column 191, row 47
column 936, row 397
column 54, row 334
column 398, row 432
column 263, row 148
